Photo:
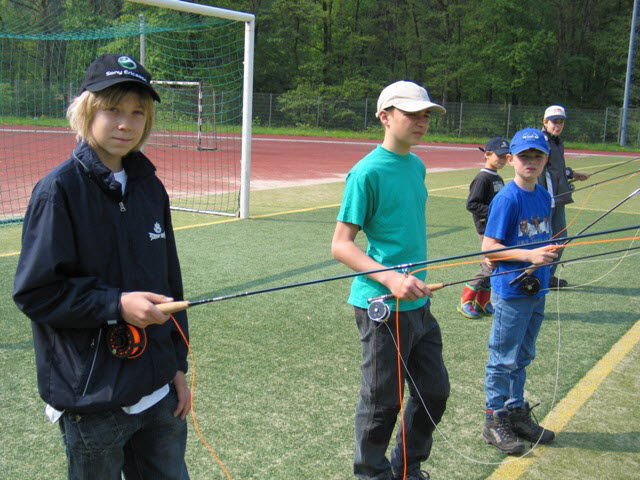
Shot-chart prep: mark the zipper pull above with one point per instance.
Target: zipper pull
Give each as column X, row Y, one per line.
column 122, row 209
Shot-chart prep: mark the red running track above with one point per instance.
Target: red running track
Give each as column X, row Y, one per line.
column 282, row 161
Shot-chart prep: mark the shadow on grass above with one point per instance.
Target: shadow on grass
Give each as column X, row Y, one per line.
column 591, row 289
column 26, row 345
column 626, row 442
column 446, row 230
column 598, row 317
column 259, row 283
column 288, row 219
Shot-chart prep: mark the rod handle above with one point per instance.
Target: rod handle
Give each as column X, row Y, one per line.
column 519, row 278
column 172, row 307
column 389, row 296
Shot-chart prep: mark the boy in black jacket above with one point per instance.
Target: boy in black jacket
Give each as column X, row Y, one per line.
column 476, row 295
column 98, row 256
column 555, row 179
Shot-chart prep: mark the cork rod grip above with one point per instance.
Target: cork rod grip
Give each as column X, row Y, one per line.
column 172, row 307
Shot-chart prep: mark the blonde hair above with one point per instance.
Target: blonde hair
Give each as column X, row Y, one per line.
column 82, row 110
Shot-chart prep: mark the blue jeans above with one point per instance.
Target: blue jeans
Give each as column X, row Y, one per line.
column 378, row 406
column 147, row 445
column 512, row 347
column 558, row 224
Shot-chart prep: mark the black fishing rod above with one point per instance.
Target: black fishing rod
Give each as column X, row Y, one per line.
column 610, row 167
column 172, row 307
column 380, row 313
column 597, row 183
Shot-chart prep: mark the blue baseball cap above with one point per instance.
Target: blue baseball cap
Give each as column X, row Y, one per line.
column 528, row 138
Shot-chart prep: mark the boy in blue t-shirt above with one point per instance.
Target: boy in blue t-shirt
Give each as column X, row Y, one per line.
column 385, row 197
column 514, row 219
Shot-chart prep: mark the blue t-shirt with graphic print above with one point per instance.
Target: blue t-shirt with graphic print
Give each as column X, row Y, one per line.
column 518, row 217
column 385, row 195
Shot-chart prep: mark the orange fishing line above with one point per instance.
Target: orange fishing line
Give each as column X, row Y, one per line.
column 502, row 259
column 584, row 203
column 193, row 411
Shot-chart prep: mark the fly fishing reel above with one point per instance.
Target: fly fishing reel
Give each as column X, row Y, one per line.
column 379, row 311
column 126, row 341
column 530, row 285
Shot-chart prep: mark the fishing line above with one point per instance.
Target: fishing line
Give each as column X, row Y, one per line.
column 610, row 167
column 556, row 387
column 597, row 183
column 525, row 276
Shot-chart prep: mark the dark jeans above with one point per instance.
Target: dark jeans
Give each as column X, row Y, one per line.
column 379, row 403
column 148, row 445
column 558, row 224
column 482, row 280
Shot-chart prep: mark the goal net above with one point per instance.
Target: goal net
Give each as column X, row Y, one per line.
column 198, row 62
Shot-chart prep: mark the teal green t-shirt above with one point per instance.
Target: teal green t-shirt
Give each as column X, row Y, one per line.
column 386, row 196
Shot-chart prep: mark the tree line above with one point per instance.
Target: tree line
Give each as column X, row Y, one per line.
column 504, row 52
column 483, row 51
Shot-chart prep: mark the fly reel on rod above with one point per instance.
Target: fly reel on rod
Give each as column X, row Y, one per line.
column 530, row 285
column 379, row 311
column 126, row 341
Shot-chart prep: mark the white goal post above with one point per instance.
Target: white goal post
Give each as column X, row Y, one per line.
column 247, row 106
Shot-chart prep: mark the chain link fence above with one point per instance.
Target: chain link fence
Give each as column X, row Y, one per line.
column 462, row 119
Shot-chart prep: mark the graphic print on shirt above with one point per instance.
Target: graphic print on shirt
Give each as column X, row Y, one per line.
column 157, row 232
column 532, row 228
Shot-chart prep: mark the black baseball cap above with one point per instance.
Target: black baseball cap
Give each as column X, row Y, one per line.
column 113, row 68
column 497, row 145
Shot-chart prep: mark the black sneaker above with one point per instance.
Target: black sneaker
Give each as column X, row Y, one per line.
column 497, row 432
column 527, row 428
column 415, row 475
column 555, row 282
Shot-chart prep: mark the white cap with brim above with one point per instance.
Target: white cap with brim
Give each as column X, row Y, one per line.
column 554, row 112
column 408, row 97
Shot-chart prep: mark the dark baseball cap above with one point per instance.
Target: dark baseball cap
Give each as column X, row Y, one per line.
column 497, row 145
column 112, row 68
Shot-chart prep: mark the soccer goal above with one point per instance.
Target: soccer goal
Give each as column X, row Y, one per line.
column 190, row 93
column 201, row 59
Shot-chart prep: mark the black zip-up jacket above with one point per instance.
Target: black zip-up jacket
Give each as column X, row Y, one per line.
column 486, row 184
column 559, row 172
column 83, row 244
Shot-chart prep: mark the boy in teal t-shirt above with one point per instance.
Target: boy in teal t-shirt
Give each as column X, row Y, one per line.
column 385, row 197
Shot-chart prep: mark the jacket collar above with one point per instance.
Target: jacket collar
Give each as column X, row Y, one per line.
column 548, row 136
column 136, row 164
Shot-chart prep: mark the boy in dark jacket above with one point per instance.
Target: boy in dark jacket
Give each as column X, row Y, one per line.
column 555, row 179
column 476, row 295
column 98, row 256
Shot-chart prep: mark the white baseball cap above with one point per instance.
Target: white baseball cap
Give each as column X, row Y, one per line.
column 407, row 96
column 554, row 112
